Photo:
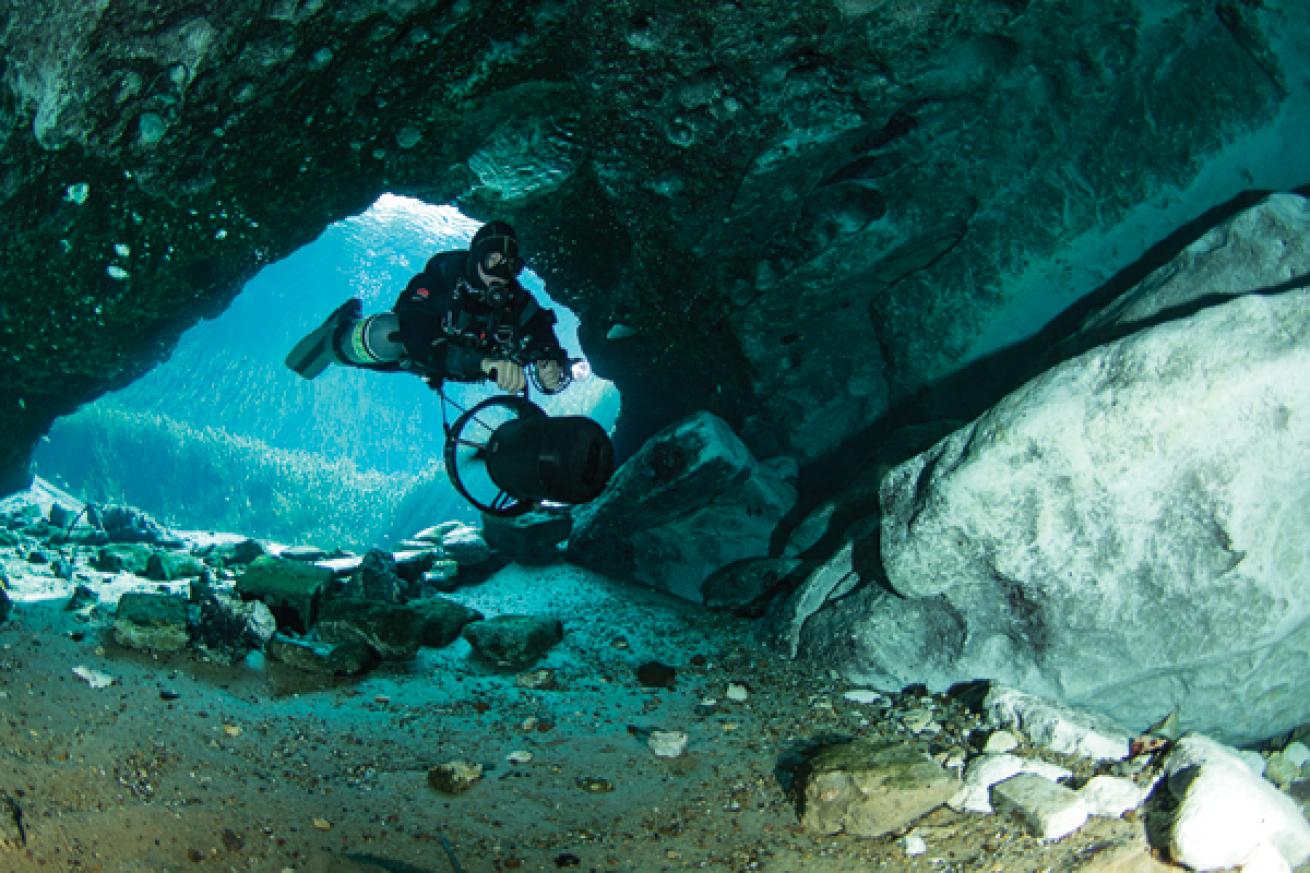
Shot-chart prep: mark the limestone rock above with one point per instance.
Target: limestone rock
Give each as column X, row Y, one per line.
column 1048, row 810
column 514, row 641
column 395, row 632
column 167, row 566
column 123, row 558
column 153, row 622
column 1226, row 816
column 377, row 579
column 292, row 589
column 529, row 538
column 870, row 787
column 986, row 770
column 1111, row 796
column 316, row 656
column 465, row 545
column 692, row 501
column 1056, row 727
column 1111, row 534
column 228, row 627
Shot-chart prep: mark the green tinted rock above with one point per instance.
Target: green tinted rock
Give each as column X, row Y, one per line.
column 153, row 622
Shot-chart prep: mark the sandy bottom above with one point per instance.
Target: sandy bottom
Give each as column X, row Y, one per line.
column 186, row 765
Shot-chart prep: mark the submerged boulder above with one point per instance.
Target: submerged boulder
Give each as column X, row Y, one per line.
column 692, row 501
column 152, row 622
column 1113, row 533
column 514, row 641
column 870, row 787
column 294, row 590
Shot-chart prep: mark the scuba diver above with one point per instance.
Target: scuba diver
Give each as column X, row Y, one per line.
column 465, row 317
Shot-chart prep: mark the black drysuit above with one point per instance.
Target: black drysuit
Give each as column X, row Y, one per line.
column 448, row 328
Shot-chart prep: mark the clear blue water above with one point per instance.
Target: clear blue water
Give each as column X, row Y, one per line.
column 226, row 385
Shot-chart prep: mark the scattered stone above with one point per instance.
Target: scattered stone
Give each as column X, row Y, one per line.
column 691, row 501
column 917, row 720
column 454, row 777
column 1281, row 769
column 1111, row 796
column 536, row 680
column 228, row 627
column 442, row 620
column 1297, row 754
column 333, row 659
column 869, row 787
column 94, row 678
column 81, row 598
column 435, row 534
column 986, row 770
column 466, row 546
column 394, row 631
column 152, row 622
column 242, row 552
column 667, row 744
column 292, row 589
column 1000, row 742
column 1057, row 727
column 377, row 579
column 442, row 576
column 1048, row 810
column 123, row 558
column 595, row 784
column 737, row 693
column 529, row 538
column 513, row 641
column 1226, row 816
column 653, row 674
column 866, row 696
column 168, row 566
column 913, row 845
column 304, row 554
column 519, row 757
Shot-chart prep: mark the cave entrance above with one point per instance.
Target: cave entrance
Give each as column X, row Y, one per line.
column 223, row 436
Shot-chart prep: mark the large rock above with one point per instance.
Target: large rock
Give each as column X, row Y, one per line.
column 152, row 622
column 870, row 787
column 1225, row 816
column 1114, row 533
column 691, row 502
column 804, row 211
column 292, row 589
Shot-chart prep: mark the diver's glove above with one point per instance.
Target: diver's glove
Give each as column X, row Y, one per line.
column 508, row 375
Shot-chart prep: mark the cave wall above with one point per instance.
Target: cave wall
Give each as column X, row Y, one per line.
column 803, row 213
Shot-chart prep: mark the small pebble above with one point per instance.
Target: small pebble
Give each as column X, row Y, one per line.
column 519, row 757
column 913, row 844
column 1000, row 742
column 737, row 693
column 667, row 744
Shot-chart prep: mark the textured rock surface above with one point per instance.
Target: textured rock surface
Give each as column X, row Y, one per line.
column 1227, row 816
column 690, row 503
column 1113, row 534
column 871, row 787
column 803, row 210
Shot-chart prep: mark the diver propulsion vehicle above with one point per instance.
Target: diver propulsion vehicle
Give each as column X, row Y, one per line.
column 506, row 456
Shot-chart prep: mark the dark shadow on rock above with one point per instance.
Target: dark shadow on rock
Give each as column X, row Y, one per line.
column 794, row 763
column 977, row 387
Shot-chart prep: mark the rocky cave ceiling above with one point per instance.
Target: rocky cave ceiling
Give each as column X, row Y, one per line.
column 807, row 212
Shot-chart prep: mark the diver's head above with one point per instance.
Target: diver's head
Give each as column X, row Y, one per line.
column 493, row 259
